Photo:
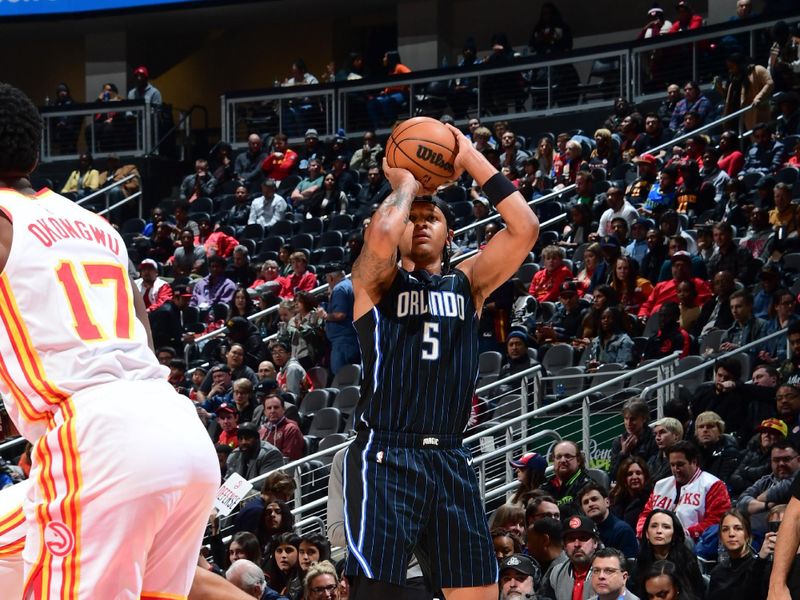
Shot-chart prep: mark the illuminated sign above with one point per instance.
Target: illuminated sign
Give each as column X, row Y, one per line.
column 24, row 8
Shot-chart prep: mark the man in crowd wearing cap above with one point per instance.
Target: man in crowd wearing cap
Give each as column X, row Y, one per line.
column 253, row 457
column 307, row 186
column 144, row 90
column 755, row 462
column 247, row 164
column 618, row 206
column 366, row 157
column 219, row 389
column 200, row 184
column 571, row 579
column 519, row 578
column 530, row 469
column 480, row 210
column 279, row 431
column 155, row 290
column 566, row 321
column 609, row 575
column 227, row 422
column 269, row 207
column 339, row 320
column 613, row 531
column 662, row 195
column 214, row 288
column 667, row 291
column 640, row 187
column 314, row 149
column 697, row 498
column 517, row 357
column 569, row 476
column 344, row 177
column 656, row 26
column 771, row 489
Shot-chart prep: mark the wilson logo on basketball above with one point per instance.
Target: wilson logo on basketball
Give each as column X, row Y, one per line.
column 434, row 158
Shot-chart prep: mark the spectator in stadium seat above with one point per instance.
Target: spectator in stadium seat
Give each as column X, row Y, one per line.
column 572, row 578
column 603, row 155
column 686, row 18
column 282, row 161
column 292, row 377
column 143, row 89
column 307, row 187
column 612, row 344
column 655, row 256
column 545, row 543
column 216, row 242
column 216, row 389
column 227, row 422
column 718, row 453
column 321, row 576
column 253, row 457
column 566, row 322
column 546, row 283
column 215, row 287
column 746, row 327
column 346, row 181
column 703, row 497
column 266, row 370
column 613, row 531
column 339, row 328
column 664, row 539
column 790, row 369
column 241, row 272
column 249, row 577
column 666, row 431
column 82, row 181
column 520, row 576
column 566, row 167
column 116, row 171
column 200, row 184
column 618, row 206
column 667, row 291
column 662, row 195
column 730, row 257
column 731, row 159
column 327, row 200
column 787, row 402
column 714, row 180
column 726, row 396
column 656, row 26
column 155, row 291
column 269, row 207
column 637, row 440
column 668, row 104
column 510, row 154
column 366, row 157
column 279, row 431
column 654, row 135
column 755, row 461
column 754, row 86
column 693, row 100
column 784, row 215
column 237, row 215
column 313, row 149
column 243, row 400
column 758, row 233
column 773, row 488
column 766, row 155
column 716, row 311
column 568, row 478
column 188, row 259
column 610, row 575
column 670, row 337
column 300, row 279
column 247, row 164
column 384, row 107
column 372, row 194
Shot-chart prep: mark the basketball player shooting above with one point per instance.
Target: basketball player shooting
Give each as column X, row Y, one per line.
column 408, row 481
column 111, row 513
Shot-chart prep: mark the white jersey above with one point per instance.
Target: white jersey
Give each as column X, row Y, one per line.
column 67, row 320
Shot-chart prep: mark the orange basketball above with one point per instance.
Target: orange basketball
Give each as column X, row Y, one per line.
column 426, row 147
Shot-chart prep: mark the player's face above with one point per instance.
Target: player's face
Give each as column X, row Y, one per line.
column 425, row 235
column 308, row 555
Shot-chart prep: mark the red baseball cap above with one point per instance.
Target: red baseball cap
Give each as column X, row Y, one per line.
column 141, row 70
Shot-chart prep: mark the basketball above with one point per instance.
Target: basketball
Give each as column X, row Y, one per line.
column 426, row 147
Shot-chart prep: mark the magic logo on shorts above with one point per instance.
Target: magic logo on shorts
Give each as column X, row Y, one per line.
column 435, row 158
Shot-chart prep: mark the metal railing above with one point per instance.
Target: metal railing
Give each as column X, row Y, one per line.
column 527, row 88
column 104, row 191
column 678, row 377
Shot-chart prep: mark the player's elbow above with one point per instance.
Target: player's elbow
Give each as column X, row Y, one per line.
column 526, row 228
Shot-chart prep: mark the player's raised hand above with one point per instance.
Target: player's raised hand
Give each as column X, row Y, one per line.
column 464, row 149
column 399, row 178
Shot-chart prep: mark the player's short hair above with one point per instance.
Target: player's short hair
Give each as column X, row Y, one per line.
column 20, row 132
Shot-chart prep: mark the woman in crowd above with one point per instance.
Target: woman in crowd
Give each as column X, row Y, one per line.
column 328, row 200
column 664, row 581
column 742, row 575
column 530, row 468
column 281, row 566
column 663, row 539
column 276, row 518
column 244, row 545
column 612, row 344
column 505, row 543
column 604, row 297
column 594, row 269
column 632, row 490
column 544, row 156
column 242, row 304
column 323, row 582
column 284, row 253
column 307, row 330
column 509, row 517
column 82, row 181
column 631, row 288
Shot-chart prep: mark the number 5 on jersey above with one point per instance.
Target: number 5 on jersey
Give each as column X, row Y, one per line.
column 97, row 274
column 429, row 333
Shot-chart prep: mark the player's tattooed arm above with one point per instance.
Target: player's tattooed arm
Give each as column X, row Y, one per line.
column 399, row 200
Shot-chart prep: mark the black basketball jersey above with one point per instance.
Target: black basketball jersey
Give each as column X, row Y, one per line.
column 419, row 349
